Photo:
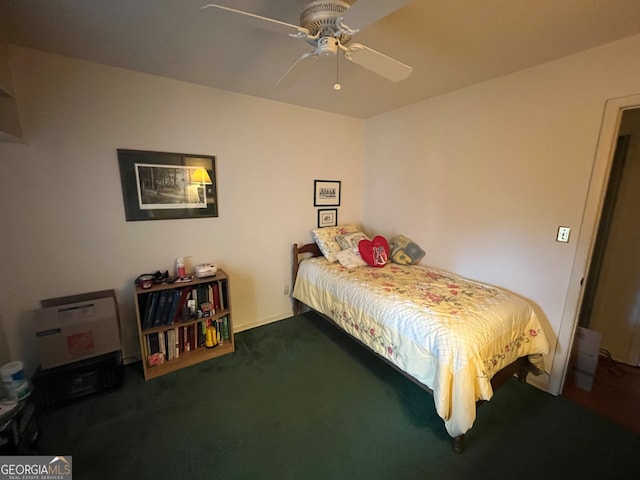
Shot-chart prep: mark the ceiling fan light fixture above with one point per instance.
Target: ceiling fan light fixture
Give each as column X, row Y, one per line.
column 327, row 46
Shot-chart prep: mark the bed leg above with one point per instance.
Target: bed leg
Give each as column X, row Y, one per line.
column 522, row 372
column 458, row 444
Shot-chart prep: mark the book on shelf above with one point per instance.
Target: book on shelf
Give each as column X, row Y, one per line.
column 194, row 296
column 176, row 346
column 225, row 327
column 149, row 310
column 153, row 342
column 216, row 296
column 182, row 301
column 162, row 302
column 175, row 301
column 224, row 301
column 162, row 344
column 171, row 344
column 181, row 338
column 187, row 339
column 155, row 355
column 194, row 336
column 164, row 315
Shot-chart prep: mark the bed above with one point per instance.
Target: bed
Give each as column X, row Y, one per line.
column 456, row 338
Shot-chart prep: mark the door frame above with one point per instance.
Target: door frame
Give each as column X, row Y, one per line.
column 587, row 236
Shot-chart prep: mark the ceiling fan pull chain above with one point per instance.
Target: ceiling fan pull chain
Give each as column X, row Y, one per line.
column 337, row 86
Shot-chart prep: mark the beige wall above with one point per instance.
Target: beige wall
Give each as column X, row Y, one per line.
column 63, row 224
column 482, row 177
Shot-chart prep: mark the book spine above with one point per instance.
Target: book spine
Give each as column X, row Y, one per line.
column 149, row 312
column 216, row 296
column 176, row 344
column 181, row 339
column 225, row 327
column 170, row 349
column 210, row 295
column 179, row 313
column 164, row 316
column 224, row 300
column 174, row 307
column 162, row 344
column 162, row 301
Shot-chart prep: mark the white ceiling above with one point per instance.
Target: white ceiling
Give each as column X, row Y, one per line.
column 450, row 43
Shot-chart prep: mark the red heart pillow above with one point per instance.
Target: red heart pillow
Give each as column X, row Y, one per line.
column 375, row 252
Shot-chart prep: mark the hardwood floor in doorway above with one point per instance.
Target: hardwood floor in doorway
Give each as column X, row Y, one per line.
column 615, row 393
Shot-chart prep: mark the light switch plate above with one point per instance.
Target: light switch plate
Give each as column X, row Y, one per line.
column 563, row 234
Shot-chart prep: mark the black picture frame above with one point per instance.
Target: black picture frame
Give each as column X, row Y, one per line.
column 326, row 193
column 164, row 185
column 327, row 217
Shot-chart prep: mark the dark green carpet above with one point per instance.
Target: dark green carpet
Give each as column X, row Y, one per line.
column 300, row 400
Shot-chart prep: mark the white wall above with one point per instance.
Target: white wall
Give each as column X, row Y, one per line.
column 63, row 225
column 482, row 177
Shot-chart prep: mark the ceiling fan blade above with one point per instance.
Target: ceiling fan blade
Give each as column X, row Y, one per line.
column 262, row 22
column 298, row 70
column 367, row 12
column 377, row 62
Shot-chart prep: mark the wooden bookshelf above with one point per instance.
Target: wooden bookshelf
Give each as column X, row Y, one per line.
column 193, row 328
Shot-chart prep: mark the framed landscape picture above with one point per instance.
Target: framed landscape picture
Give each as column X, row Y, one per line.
column 162, row 185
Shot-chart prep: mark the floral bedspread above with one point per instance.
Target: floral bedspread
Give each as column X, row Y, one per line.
column 448, row 332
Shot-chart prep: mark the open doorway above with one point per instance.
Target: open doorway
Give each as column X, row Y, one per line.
column 611, row 302
column 611, row 298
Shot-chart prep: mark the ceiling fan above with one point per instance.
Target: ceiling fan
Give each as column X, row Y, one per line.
column 322, row 25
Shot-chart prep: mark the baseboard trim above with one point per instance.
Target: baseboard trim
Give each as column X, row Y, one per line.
column 260, row 323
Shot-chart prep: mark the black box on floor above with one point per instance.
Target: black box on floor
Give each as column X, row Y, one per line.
column 60, row 386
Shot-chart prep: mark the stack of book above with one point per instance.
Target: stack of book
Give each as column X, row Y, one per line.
column 179, row 318
column 166, row 307
column 169, row 344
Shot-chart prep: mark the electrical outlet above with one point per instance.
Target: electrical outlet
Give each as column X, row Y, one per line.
column 285, row 290
column 563, row 234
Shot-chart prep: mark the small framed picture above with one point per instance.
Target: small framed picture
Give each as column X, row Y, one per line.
column 327, row 217
column 326, row 193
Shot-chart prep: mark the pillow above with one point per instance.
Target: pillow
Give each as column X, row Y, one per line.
column 325, row 238
column 351, row 240
column 350, row 258
column 375, row 252
column 404, row 251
